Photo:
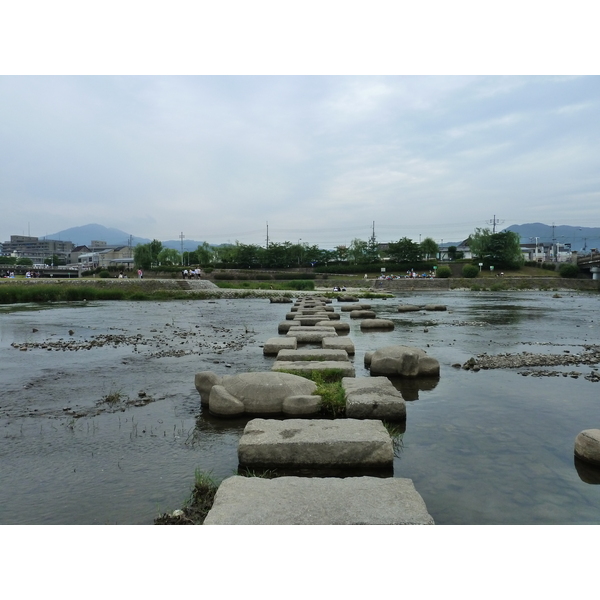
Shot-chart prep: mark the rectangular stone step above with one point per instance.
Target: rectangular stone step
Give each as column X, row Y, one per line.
column 336, row 445
column 314, row 354
column 373, row 398
column 309, row 366
column 274, row 345
column 318, row 501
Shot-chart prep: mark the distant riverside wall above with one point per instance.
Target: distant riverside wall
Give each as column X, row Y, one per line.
column 508, row 283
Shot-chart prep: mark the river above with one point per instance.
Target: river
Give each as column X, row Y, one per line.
column 100, row 422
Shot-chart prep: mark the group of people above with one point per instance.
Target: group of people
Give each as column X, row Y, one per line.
column 192, row 273
column 412, row 274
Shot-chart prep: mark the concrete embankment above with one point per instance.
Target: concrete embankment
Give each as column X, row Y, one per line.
column 493, row 283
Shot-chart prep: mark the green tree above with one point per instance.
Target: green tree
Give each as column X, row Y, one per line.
column 358, row 252
column 404, row 251
column 155, row 248
column 429, row 248
column 497, row 249
column 169, row 257
column 205, row 254
column 26, row 262
column 142, row 256
column 568, row 270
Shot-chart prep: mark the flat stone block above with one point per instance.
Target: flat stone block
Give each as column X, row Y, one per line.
column 439, row 307
column 276, row 344
column 362, row 314
column 302, row 405
column 373, row 398
column 308, row 366
column 318, row 501
column 307, row 321
column 408, row 308
column 311, row 337
column 339, row 443
column 339, row 343
column 341, row 327
column 351, row 307
column 314, row 354
column 381, row 324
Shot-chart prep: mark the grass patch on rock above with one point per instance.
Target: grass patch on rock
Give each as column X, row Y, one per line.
column 329, row 387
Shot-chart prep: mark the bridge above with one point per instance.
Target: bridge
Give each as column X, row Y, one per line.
column 590, row 261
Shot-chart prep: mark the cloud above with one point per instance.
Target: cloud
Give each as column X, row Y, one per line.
column 316, row 157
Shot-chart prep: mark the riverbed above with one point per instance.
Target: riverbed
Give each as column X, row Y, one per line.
column 100, row 422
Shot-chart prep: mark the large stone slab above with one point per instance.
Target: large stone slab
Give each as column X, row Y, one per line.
column 310, row 366
column 316, row 443
column 261, row 393
column 377, row 325
column 339, row 343
column 341, row 327
column 313, row 354
column 351, row 307
column 362, row 314
column 274, row 345
column 373, row 398
column 311, row 337
column 318, row 501
column 402, row 361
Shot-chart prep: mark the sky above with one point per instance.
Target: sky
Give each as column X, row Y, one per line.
column 310, row 158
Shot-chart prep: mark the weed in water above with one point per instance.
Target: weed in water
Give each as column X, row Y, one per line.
column 396, row 431
column 197, row 506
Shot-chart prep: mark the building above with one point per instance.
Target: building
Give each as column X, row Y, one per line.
column 120, row 256
column 38, row 250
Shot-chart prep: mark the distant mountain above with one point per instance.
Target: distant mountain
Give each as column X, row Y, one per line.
column 84, row 235
column 580, row 238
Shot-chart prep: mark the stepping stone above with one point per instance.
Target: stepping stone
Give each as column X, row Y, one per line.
column 313, row 354
column 587, row 446
column 275, row 344
column 351, row 307
column 341, row 327
column 362, row 314
column 339, row 343
column 308, row 321
column 373, row 398
column 339, row 444
column 439, row 307
column 318, row 501
column 311, row 337
column 308, row 366
column 408, row 308
column 381, row 324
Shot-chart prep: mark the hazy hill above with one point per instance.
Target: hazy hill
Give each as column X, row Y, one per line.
column 86, row 233
column 580, row 238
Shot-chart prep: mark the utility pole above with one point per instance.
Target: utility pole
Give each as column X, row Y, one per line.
column 267, row 235
column 494, row 222
column 181, row 238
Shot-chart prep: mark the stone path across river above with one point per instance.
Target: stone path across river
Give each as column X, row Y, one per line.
column 314, row 448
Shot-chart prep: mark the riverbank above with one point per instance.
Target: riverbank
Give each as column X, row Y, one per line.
column 13, row 291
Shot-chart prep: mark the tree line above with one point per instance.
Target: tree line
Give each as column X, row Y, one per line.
column 500, row 249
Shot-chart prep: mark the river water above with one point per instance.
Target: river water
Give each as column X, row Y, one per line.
column 112, row 433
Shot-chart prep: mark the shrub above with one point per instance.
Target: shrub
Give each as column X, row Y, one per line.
column 104, row 274
column 444, row 272
column 568, row 270
column 470, row 271
column 549, row 266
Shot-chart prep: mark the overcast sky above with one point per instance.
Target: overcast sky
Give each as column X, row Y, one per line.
column 318, row 158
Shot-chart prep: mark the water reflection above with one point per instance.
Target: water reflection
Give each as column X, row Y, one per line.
column 410, row 388
column 587, row 473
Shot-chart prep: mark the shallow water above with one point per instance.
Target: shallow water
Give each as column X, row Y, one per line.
column 481, row 448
